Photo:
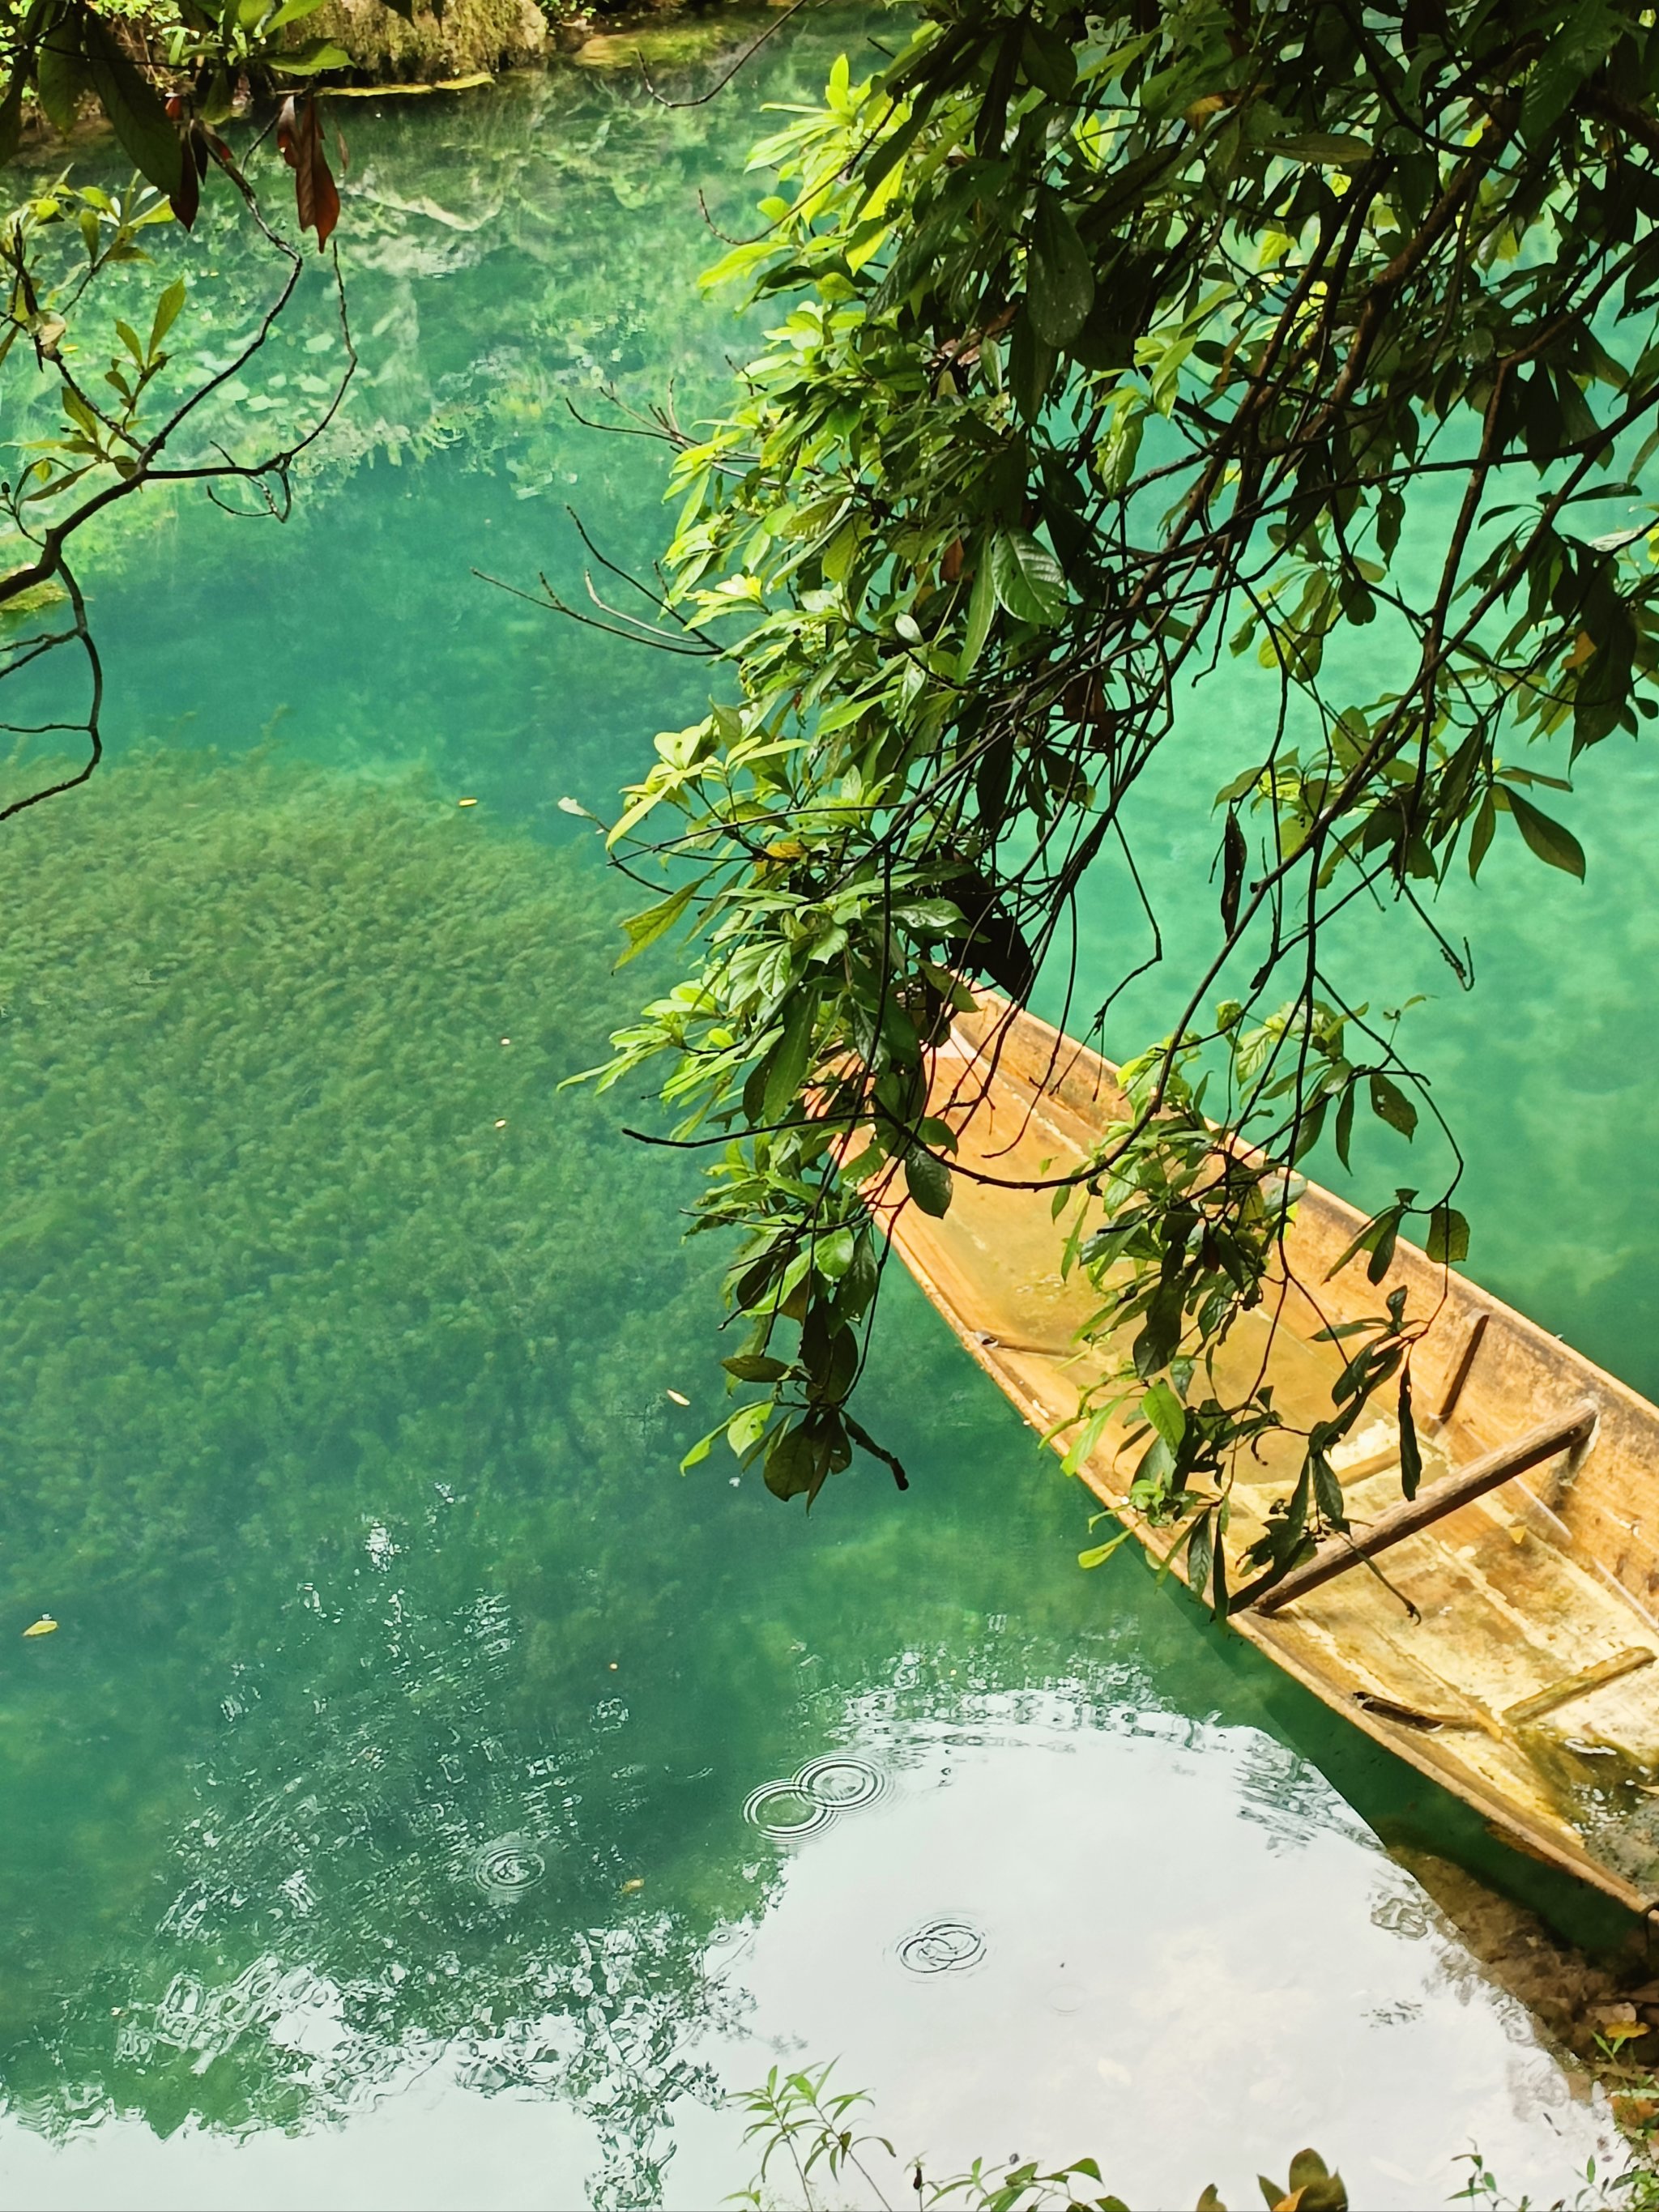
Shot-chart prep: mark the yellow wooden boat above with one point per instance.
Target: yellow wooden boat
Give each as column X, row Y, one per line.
column 1529, row 1557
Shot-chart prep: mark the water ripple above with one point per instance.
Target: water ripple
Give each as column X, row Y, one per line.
column 942, row 1947
column 783, row 1809
column 841, row 1783
column 508, row 1867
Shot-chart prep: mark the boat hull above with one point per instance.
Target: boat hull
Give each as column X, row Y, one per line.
column 1526, row 1682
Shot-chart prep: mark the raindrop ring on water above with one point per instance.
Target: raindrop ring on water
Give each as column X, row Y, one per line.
column 942, row 1947
column 784, row 1810
column 841, row 1783
column 508, row 1867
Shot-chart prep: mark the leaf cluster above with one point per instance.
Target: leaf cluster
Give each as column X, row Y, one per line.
column 1112, row 345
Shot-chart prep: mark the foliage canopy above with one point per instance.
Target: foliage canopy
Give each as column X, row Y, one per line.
column 1116, row 342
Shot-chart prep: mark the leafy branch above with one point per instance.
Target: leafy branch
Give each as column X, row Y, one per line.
column 1112, row 347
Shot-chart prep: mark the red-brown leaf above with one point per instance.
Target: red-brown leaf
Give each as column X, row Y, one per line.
column 299, row 136
column 187, row 198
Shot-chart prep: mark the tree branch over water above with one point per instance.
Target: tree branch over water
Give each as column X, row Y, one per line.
column 72, row 317
column 1119, row 347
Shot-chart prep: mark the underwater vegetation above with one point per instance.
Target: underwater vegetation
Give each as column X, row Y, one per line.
column 400, row 1681
column 291, row 1183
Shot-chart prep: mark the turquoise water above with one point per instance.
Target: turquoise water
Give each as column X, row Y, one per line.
column 388, row 1822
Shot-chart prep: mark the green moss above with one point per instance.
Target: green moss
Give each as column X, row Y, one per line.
column 273, row 1179
column 464, row 36
column 34, row 601
column 663, row 45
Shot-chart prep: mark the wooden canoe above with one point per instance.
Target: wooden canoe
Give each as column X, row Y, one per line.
column 1527, row 1682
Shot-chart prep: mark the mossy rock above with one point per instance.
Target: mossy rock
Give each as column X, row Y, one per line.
column 658, row 46
column 471, row 36
column 34, row 601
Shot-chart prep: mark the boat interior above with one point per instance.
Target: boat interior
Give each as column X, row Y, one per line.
column 1504, row 1641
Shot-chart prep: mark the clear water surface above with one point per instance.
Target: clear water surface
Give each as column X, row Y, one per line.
column 429, row 1797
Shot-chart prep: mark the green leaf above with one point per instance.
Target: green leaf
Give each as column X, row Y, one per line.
column 1028, row 580
column 747, row 1427
column 791, row 1057
column 1480, row 837
column 1315, row 2187
column 61, row 75
column 700, row 1449
column 1411, row 1454
column 134, row 108
column 1098, row 1554
column 1166, row 1414
column 929, row 917
column 1200, row 1553
column 1327, row 1490
column 927, row 1180
column 166, row 313
column 1546, row 836
column 11, row 118
column 642, row 929
column 1059, row 282
column 1031, row 361
column 305, row 60
column 1323, row 146
column 792, row 1464
column 1389, row 1103
column 1564, row 65
column 1388, row 1236
column 1049, row 60
column 1448, row 1239
column 981, row 605
column 755, row 1367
